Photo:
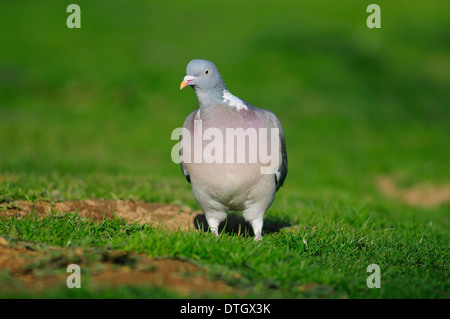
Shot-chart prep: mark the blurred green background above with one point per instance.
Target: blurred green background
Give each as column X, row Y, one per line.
column 89, row 112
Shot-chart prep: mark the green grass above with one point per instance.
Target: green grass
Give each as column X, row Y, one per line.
column 412, row 260
column 67, row 230
column 88, row 114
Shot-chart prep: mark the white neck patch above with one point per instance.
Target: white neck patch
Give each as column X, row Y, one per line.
column 232, row 100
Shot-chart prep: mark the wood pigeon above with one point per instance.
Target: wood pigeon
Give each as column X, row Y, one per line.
column 224, row 151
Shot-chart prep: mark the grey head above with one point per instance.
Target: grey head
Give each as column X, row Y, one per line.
column 204, row 77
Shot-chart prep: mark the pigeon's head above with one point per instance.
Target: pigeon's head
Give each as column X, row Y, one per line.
column 202, row 75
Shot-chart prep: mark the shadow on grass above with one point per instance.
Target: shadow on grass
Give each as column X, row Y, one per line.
column 236, row 225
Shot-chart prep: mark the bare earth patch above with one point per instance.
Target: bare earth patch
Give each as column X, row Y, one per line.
column 35, row 270
column 422, row 195
column 170, row 217
column 25, row 264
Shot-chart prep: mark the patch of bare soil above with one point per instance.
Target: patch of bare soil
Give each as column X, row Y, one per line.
column 35, row 268
column 422, row 195
column 14, row 261
column 32, row 269
column 170, row 217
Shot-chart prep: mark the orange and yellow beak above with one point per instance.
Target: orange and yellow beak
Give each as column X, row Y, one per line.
column 187, row 79
column 183, row 85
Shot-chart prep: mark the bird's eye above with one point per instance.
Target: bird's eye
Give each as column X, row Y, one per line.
column 207, row 71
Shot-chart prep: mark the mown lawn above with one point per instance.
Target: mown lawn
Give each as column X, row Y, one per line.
column 89, row 113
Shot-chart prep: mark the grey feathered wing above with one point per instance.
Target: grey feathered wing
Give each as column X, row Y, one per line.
column 188, row 123
column 280, row 174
